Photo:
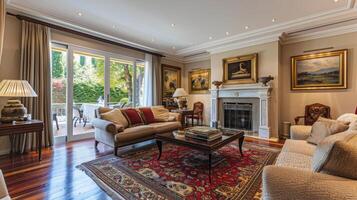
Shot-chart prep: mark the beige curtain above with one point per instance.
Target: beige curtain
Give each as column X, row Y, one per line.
column 157, row 90
column 2, row 25
column 35, row 68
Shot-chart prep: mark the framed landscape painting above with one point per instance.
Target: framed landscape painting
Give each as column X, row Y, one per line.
column 240, row 69
column 171, row 79
column 327, row 70
column 199, row 81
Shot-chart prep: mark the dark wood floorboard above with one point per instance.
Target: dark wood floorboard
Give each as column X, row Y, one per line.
column 56, row 176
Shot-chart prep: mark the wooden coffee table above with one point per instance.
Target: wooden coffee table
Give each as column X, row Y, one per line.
column 205, row 147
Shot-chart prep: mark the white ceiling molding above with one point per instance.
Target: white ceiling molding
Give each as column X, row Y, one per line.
column 39, row 16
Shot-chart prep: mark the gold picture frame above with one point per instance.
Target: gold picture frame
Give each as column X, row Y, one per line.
column 199, row 81
column 171, row 79
column 319, row 71
column 240, row 69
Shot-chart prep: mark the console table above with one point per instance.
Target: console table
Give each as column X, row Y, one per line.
column 21, row 127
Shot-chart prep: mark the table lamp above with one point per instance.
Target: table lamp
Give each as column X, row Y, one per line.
column 180, row 97
column 14, row 110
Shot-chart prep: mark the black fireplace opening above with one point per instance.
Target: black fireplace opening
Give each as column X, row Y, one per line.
column 238, row 115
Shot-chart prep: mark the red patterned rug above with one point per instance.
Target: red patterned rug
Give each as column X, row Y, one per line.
column 182, row 173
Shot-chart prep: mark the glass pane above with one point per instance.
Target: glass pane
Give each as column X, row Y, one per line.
column 88, row 90
column 139, row 85
column 121, row 83
column 59, row 91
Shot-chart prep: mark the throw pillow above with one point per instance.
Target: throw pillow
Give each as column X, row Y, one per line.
column 347, row 117
column 324, row 127
column 353, row 126
column 161, row 114
column 323, row 149
column 148, row 115
column 133, row 117
column 115, row 116
column 342, row 160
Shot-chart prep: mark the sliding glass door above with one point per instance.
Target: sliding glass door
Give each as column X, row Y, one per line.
column 86, row 79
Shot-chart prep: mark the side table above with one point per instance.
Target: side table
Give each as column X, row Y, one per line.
column 21, row 127
column 184, row 113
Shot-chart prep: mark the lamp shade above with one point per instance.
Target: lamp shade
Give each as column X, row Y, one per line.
column 16, row 88
column 179, row 92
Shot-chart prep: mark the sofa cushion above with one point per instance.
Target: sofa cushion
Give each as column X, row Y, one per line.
column 294, row 160
column 115, row 116
column 342, row 160
column 299, row 146
column 134, row 133
column 324, row 148
column 162, row 127
column 133, row 116
column 161, row 114
column 347, row 117
column 324, row 127
column 148, row 115
column 300, row 132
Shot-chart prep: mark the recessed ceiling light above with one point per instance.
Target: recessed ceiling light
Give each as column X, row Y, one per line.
column 113, row 26
column 227, row 33
column 273, row 20
column 246, row 27
column 173, row 47
column 210, row 37
column 152, row 40
column 80, row 14
column 335, row 1
column 172, row 25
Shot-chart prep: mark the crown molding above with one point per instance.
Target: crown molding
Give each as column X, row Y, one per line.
column 275, row 30
column 40, row 16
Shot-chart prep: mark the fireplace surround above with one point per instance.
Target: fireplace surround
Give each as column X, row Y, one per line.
column 255, row 94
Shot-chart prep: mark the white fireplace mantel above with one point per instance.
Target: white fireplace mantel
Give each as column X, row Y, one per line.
column 245, row 91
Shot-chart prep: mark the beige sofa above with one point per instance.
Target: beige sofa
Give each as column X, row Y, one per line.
column 108, row 133
column 4, row 195
column 292, row 177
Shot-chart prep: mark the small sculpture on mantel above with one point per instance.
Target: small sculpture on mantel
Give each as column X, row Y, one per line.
column 265, row 79
column 217, row 84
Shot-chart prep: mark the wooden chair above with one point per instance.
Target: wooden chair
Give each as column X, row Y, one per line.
column 356, row 111
column 197, row 113
column 313, row 112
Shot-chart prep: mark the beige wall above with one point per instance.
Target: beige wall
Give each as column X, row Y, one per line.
column 341, row 101
column 204, row 98
column 166, row 61
column 268, row 64
column 10, row 63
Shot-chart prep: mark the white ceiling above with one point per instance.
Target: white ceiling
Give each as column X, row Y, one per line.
column 148, row 22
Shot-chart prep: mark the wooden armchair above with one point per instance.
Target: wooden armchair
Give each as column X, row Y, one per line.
column 313, row 112
column 197, row 113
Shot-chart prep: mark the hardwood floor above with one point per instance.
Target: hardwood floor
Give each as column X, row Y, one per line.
column 56, row 176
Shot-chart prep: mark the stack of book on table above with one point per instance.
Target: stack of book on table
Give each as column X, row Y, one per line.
column 203, row 133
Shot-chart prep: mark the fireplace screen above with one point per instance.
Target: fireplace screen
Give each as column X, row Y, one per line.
column 238, row 115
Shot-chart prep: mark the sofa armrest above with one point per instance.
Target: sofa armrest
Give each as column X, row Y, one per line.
column 280, row 183
column 3, row 189
column 105, row 125
column 300, row 132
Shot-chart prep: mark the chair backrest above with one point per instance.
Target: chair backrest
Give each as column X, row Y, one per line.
column 314, row 111
column 3, row 189
column 356, row 110
column 198, row 107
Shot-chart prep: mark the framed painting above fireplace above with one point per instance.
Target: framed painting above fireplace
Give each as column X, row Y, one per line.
column 327, row 70
column 240, row 69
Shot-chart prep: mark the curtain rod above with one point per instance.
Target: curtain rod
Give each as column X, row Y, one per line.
column 61, row 28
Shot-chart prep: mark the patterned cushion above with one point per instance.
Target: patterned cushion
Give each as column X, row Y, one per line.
column 324, row 127
column 133, row 116
column 115, row 116
column 161, row 113
column 148, row 115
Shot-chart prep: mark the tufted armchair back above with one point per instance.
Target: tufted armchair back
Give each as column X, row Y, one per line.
column 313, row 112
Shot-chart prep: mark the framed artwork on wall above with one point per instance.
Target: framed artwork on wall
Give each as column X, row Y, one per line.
column 171, row 79
column 240, row 69
column 199, row 81
column 326, row 70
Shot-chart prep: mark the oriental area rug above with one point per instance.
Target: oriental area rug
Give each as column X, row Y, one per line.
column 182, row 173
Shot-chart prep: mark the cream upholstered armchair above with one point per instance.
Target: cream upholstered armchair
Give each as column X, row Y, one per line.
column 4, row 195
